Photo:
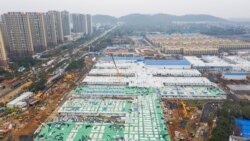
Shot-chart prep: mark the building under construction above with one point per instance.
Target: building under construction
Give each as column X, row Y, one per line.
column 120, row 99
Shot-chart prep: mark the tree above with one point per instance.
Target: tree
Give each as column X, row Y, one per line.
column 38, row 85
column 76, row 65
column 226, row 118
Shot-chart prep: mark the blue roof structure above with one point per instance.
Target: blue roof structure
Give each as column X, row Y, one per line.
column 235, row 73
column 244, row 126
column 166, row 62
column 123, row 58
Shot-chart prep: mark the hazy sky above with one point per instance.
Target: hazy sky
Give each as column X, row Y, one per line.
column 221, row 8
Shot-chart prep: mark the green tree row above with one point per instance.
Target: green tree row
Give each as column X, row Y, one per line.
column 76, row 65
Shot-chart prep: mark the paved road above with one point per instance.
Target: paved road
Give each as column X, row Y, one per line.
column 207, row 110
column 94, row 40
column 14, row 92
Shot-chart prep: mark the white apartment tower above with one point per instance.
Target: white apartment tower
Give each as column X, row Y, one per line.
column 38, row 31
column 89, row 24
column 65, row 23
column 79, row 23
column 18, row 33
column 3, row 55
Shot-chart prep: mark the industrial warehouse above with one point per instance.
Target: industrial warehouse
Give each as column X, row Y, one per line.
column 120, row 99
column 194, row 44
column 219, row 64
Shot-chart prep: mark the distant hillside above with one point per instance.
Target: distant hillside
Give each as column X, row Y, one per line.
column 158, row 19
column 240, row 19
column 143, row 23
column 200, row 18
column 104, row 19
column 142, row 19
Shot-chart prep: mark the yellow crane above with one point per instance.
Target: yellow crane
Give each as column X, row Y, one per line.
column 118, row 73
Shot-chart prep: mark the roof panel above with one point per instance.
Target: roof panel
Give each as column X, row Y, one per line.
column 167, row 62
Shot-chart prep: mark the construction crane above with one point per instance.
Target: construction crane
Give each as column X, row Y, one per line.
column 117, row 70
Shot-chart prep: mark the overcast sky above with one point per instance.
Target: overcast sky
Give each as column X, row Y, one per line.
column 221, row 8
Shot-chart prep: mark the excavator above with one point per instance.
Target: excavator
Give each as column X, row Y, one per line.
column 184, row 109
column 68, row 77
column 36, row 98
column 118, row 73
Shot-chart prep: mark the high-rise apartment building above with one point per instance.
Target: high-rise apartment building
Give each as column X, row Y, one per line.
column 19, row 33
column 89, row 24
column 59, row 27
column 65, row 23
column 3, row 55
column 54, row 28
column 3, row 28
column 79, row 23
column 28, row 33
column 50, row 27
column 38, row 32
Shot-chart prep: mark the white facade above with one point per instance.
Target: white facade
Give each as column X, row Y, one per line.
column 111, row 72
column 94, row 80
column 184, row 81
column 89, row 24
column 209, row 63
column 24, row 96
column 239, row 63
column 169, row 66
column 234, row 77
column 175, row 72
column 111, row 65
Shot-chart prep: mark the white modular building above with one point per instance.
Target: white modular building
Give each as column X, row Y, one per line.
column 184, row 81
column 22, row 98
column 122, row 59
column 209, row 63
column 93, row 107
column 95, row 80
column 174, row 75
column 239, row 63
column 174, row 72
column 170, row 64
column 234, row 76
column 21, row 104
column 111, row 65
column 192, row 92
column 112, row 72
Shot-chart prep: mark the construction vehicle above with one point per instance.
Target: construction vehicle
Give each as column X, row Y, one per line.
column 185, row 112
column 39, row 96
column 118, row 73
column 36, row 98
column 22, row 118
column 68, row 77
column 4, row 129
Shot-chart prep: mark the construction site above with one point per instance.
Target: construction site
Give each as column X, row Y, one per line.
column 41, row 106
column 190, row 120
column 27, row 110
column 131, row 98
